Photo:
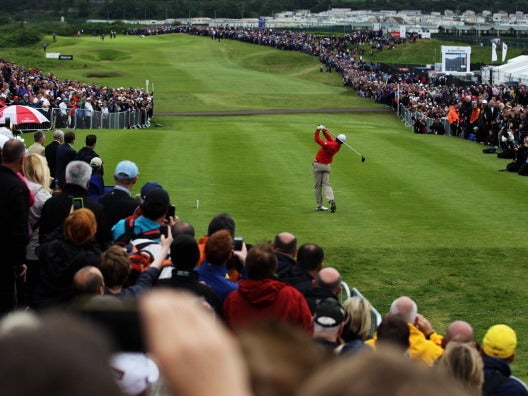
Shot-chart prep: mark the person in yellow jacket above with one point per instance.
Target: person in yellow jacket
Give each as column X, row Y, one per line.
column 424, row 343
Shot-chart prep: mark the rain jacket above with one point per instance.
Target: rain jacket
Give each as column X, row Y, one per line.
column 266, row 299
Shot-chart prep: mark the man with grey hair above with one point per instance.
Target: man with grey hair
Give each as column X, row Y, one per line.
column 38, row 146
column 424, row 343
column 74, row 195
column 50, row 151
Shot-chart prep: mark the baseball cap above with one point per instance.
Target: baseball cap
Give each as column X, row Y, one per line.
column 156, row 203
column 500, row 341
column 126, row 170
column 341, row 137
column 329, row 313
column 133, row 372
column 147, row 187
column 96, row 162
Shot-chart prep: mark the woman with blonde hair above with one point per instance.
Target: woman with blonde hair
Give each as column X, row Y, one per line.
column 358, row 322
column 463, row 362
column 37, row 175
column 60, row 258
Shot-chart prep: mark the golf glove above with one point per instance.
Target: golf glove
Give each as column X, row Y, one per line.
column 321, row 127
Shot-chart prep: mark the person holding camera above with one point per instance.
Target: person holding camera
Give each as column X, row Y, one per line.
column 322, row 166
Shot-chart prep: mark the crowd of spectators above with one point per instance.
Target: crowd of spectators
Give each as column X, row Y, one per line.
column 157, row 289
column 241, row 320
column 67, row 99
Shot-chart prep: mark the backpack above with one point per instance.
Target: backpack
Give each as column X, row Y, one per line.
column 141, row 248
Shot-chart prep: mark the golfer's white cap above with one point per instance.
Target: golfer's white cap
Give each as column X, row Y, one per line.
column 341, row 137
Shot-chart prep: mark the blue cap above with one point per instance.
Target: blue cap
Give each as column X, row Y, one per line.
column 126, row 170
column 149, row 186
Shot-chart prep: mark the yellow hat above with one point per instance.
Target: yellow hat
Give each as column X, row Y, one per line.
column 500, row 341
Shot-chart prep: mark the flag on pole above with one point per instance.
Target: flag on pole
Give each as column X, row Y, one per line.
column 493, row 51
column 504, row 51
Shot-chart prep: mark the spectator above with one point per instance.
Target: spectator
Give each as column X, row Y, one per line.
column 88, row 151
column 357, row 325
column 235, row 265
column 76, row 356
column 309, row 262
column 96, row 183
column 89, row 281
column 374, row 374
column 424, row 342
column 38, row 146
column 184, row 254
column 51, row 152
column 393, row 332
column 154, row 211
column 280, row 357
column 37, row 174
column 58, row 207
column 326, row 284
column 119, row 203
column 184, row 227
column 14, row 215
column 213, row 271
column 115, row 266
column 328, row 318
column 458, row 331
column 285, row 245
column 261, row 296
column 62, row 257
column 498, row 352
column 463, row 363
column 65, row 154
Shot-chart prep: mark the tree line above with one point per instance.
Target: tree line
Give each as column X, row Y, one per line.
column 20, row 10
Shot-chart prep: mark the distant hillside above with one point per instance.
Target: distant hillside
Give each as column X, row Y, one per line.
column 162, row 9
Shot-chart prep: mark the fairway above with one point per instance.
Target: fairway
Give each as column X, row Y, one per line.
column 425, row 216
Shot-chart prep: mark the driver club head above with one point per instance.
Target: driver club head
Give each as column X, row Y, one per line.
column 363, row 159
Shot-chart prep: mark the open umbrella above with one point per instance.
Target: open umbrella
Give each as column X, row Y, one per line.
column 19, row 114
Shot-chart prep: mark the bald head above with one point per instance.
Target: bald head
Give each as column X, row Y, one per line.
column 329, row 278
column 458, row 331
column 89, row 280
column 285, row 243
column 405, row 308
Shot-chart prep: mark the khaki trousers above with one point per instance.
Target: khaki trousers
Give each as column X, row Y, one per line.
column 321, row 174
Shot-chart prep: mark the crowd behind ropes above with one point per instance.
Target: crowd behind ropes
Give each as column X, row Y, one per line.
column 118, row 295
column 67, row 99
column 186, row 312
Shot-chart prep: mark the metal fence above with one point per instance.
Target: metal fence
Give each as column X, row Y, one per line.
column 409, row 118
column 86, row 119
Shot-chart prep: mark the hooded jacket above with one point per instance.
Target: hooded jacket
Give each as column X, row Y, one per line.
column 266, row 299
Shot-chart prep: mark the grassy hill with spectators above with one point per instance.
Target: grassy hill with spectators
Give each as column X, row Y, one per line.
column 425, row 216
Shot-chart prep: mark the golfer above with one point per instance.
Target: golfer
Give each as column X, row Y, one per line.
column 322, row 166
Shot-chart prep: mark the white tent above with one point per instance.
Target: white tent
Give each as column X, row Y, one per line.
column 514, row 71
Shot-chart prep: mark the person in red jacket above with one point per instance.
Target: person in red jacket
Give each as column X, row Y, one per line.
column 263, row 297
column 322, row 166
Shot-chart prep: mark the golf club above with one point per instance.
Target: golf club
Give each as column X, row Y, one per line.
column 363, row 159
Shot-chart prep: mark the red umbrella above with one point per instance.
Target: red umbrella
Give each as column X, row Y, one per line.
column 19, row 114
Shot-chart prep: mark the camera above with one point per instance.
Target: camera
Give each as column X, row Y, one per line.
column 238, row 242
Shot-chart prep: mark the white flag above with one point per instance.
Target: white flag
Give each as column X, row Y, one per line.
column 493, row 52
column 504, row 51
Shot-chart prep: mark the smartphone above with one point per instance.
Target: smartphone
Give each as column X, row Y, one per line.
column 78, row 203
column 171, row 212
column 238, row 242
